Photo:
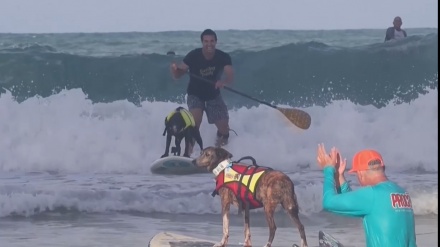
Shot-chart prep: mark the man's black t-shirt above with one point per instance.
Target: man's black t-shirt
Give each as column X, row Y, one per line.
column 208, row 69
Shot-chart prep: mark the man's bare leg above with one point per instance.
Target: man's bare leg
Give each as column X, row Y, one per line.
column 222, row 132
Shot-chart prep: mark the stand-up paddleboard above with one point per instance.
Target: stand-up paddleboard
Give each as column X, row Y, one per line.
column 175, row 165
column 326, row 240
column 169, row 239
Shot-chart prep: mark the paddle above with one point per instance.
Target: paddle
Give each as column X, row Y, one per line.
column 298, row 117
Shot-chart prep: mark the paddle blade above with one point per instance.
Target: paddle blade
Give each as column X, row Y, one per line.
column 298, row 117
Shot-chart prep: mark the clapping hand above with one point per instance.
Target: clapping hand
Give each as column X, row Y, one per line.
column 341, row 164
column 325, row 159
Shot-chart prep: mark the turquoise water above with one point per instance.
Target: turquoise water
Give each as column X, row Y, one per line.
column 299, row 68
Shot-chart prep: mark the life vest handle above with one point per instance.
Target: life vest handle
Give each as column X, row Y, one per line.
column 254, row 162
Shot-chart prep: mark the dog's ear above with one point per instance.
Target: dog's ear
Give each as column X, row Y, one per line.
column 222, row 153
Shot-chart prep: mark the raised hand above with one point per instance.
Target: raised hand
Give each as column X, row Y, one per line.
column 341, row 164
column 325, row 159
column 173, row 70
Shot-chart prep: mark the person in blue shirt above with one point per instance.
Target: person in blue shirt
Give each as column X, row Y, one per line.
column 384, row 206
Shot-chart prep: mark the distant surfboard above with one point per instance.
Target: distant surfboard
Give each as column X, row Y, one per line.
column 175, row 165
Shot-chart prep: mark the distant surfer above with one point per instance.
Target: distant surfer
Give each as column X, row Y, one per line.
column 205, row 65
column 395, row 32
column 171, row 53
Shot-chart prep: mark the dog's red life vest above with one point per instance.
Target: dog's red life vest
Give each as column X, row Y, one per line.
column 243, row 181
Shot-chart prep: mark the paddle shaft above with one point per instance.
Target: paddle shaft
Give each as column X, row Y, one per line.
column 298, row 117
column 234, row 91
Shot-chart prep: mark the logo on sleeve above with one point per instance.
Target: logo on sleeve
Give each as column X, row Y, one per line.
column 400, row 201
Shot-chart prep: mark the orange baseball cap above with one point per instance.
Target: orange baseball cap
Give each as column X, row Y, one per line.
column 362, row 159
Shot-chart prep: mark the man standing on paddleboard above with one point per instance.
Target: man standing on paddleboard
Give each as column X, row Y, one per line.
column 206, row 66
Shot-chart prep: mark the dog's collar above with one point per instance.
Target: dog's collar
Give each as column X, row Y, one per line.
column 221, row 166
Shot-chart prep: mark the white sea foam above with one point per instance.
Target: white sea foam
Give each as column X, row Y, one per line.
column 66, row 132
column 95, row 157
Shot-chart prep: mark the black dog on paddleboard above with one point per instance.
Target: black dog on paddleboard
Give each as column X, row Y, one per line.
column 180, row 124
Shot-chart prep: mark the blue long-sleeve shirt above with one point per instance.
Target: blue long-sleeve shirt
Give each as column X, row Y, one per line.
column 386, row 209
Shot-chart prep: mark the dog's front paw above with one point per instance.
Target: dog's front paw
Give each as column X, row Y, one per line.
column 268, row 245
column 218, row 245
column 163, row 156
column 247, row 242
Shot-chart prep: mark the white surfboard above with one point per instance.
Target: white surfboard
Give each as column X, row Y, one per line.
column 326, row 240
column 169, row 239
column 175, row 165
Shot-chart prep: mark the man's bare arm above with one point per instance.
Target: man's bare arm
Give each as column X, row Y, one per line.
column 229, row 74
column 178, row 70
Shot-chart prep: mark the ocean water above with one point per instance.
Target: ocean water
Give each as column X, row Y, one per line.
column 82, row 120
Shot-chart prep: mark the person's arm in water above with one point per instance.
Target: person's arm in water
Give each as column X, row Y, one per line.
column 389, row 34
column 354, row 203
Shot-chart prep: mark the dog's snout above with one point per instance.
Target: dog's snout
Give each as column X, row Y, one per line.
column 194, row 161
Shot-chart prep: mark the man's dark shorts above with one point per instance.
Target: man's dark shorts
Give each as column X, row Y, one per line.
column 215, row 109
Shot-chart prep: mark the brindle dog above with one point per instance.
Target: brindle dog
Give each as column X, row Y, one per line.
column 273, row 188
